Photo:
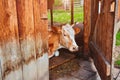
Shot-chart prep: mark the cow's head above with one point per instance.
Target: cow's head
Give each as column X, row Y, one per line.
column 67, row 36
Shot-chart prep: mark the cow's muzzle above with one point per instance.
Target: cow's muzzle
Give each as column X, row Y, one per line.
column 74, row 48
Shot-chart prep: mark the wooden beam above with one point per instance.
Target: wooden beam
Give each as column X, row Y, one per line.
column 118, row 9
column 101, row 63
column 10, row 55
column 87, row 25
column 41, row 38
column 72, row 11
column 51, row 16
column 27, row 40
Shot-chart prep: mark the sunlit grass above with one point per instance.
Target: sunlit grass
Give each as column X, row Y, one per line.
column 63, row 16
column 117, row 62
column 118, row 39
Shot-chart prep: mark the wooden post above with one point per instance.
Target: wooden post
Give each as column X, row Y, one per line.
column 41, row 38
column 10, row 55
column 87, row 25
column 50, row 6
column 72, row 11
column 118, row 9
column 0, row 71
column 27, row 40
column 51, row 16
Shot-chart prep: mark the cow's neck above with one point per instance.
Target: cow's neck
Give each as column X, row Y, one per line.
column 60, row 43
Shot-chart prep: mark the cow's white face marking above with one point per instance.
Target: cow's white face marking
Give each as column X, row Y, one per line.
column 67, row 38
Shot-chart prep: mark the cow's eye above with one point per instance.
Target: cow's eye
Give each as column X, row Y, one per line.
column 65, row 35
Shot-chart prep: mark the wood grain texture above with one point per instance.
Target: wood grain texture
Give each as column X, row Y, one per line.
column 87, row 24
column 101, row 37
column 27, row 40
column 41, row 27
column 118, row 9
column 23, row 40
column 9, row 41
column 41, row 38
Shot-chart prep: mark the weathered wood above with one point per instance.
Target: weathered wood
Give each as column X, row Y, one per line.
column 118, row 9
column 100, row 61
column 87, row 24
column 9, row 41
column 41, row 38
column 101, row 37
column 27, row 40
column 94, row 15
column 0, row 71
column 50, row 4
column 51, row 16
column 63, row 58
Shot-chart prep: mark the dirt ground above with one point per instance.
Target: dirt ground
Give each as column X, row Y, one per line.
column 116, row 70
column 117, row 52
column 76, row 69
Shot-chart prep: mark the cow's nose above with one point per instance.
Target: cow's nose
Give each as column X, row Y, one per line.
column 75, row 48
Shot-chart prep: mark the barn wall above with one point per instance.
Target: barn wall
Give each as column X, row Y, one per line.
column 27, row 39
column 118, row 3
column 23, row 40
column 101, row 36
column 9, row 41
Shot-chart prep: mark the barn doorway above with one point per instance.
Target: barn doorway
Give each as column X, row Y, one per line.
column 69, row 65
column 97, row 40
column 61, row 12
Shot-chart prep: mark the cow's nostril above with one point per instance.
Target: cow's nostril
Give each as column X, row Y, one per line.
column 74, row 48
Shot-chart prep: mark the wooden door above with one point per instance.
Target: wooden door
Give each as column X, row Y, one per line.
column 23, row 40
column 32, row 21
column 41, row 38
column 10, row 56
column 101, row 36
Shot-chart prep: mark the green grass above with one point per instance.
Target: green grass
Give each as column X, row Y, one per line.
column 117, row 62
column 118, row 39
column 63, row 16
column 58, row 3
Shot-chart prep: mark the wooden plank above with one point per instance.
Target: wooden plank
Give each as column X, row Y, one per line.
column 9, row 41
column 27, row 43
column 0, row 71
column 41, row 38
column 63, row 58
column 103, row 67
column 94, row 15
column 51, row 16
column 50, row 4
column 102, row 32
column 101, row 39
column 109, row 37
column 118, row 5
column 87, row 25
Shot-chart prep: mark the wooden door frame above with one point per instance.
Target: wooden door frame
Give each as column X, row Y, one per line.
column 87, row 27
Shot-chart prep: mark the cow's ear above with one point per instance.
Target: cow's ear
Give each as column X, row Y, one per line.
column 56, row 29
column 76, row 29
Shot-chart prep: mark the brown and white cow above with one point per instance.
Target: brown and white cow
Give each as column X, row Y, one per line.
column 62, row 37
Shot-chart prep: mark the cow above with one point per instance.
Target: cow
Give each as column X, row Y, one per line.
column 62, row 37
